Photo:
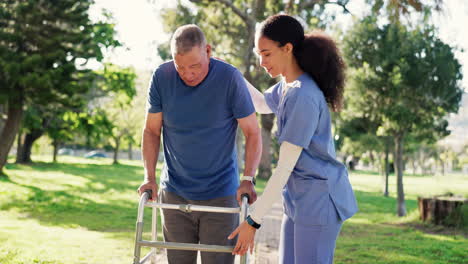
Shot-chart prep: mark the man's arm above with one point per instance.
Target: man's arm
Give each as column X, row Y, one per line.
column 253, row 152
column 150, row 150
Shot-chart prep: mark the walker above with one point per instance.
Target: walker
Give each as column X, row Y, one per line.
column 151, row 256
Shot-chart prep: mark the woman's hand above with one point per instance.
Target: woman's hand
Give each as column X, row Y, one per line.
column 246, row 239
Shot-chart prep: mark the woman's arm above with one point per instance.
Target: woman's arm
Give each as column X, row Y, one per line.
column 288, row 156
column 258, row 100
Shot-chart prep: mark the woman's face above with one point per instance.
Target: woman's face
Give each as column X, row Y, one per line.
column 272, row 57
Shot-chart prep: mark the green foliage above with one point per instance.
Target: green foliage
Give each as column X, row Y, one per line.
column 41, row 42
column 359, row 134
column 44, row 46
column 107, row 101
column 408, row 80
column 120, row 82
column 94, row 125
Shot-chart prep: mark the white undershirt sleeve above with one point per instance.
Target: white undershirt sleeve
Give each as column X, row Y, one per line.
column 288, row 156
column 258, row 99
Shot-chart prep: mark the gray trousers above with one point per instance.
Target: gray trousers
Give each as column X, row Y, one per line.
column 198, row 227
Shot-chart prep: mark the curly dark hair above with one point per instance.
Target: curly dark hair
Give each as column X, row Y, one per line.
column 316, row 53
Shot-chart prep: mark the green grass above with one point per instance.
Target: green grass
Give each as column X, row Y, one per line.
column 79, row 211
column 84, row 211
column 376, row 235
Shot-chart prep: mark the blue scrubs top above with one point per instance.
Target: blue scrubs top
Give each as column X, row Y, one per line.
column 303, row 119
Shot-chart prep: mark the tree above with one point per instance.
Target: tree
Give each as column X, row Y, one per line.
column 121, row 81
column 359, row 128
column 43, row 48
column 407, row 78
column 46, row 118
column 62, row 129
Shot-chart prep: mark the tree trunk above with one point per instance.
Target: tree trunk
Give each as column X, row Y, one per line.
column 352, row 163
column 381, row 165
column 10, row 129
column 399, row 170
column 130, row 154
column 88, row 139
column 387, row 167
column 264, row 169
column 56, row 144
column 29, row 139
column 19, row 146
column 116, row 150
column 442, row 166
column 2, row 112
column 372, row 159
column 421, row 159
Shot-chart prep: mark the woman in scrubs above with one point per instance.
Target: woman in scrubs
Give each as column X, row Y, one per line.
column 317, row 195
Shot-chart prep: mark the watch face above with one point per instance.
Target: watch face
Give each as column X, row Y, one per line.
column 252, row 223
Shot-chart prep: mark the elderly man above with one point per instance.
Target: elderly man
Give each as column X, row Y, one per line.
column 198, row 102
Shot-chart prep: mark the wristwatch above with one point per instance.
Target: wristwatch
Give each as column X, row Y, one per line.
column 249, row 178
column 252, row 223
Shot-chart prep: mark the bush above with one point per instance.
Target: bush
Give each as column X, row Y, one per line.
column 458, row 217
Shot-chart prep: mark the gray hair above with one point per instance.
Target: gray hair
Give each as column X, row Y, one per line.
column 185, row 38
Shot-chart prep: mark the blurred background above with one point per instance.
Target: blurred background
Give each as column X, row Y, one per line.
column 73, row 84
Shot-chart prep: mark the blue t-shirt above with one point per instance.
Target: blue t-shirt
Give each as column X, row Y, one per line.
column 199, row 129
column 303, row 119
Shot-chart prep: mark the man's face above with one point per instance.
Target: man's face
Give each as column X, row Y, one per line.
column 193, row 66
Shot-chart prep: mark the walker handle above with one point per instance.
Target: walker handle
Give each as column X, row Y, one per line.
column 245, row 195
column 150, row 193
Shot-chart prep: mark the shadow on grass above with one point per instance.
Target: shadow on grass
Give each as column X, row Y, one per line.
column 71, row 208
column 101, row 209
column 5, row 179
column 386, row 244
column 119, row 177
column 63, row 209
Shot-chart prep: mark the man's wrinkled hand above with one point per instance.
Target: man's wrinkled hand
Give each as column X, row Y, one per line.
column 248, row 188
column 149, row 185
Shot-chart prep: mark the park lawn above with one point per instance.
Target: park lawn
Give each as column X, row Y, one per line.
column 78, row 211
column 84, row 211
column 376, row 235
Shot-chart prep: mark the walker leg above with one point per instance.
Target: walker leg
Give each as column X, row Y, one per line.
column 154, row 233
column 139, row 230
column 243, row 215
column 139, row 226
